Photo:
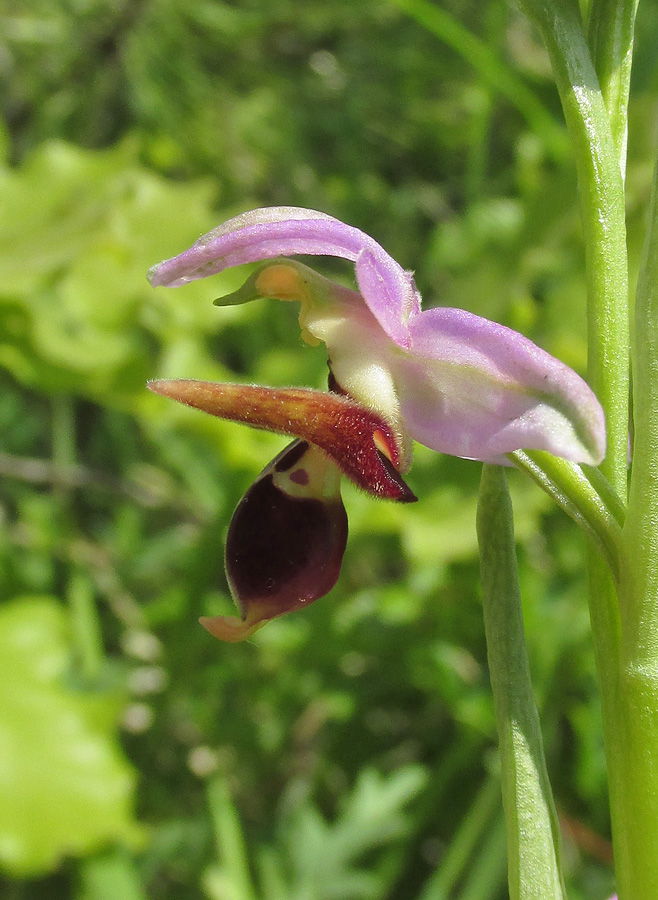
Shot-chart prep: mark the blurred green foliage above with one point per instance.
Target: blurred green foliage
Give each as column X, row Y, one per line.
column 347, row 752
column 65, row 787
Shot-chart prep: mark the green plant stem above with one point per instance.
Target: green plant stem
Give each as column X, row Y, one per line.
column 600, row 516
column 471, row 834
column 602, row 205
column 487, row 874
column 609, row 496
column 610, row 33
column 229, row 839
column 625, row 630
column 86, row 627
column 85, row 623
column 533, row 834
column 640, row 609
column 638, row 861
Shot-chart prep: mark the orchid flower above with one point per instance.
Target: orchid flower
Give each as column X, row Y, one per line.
column 444, row 377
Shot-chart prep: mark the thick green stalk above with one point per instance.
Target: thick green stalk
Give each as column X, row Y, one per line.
column 625, row 629
column 639, row 594
column 602, row 205
column 640, row 609
column 610, row 34
column 533, row 834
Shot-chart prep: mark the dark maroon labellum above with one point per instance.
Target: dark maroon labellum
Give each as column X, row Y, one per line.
column 283, row 552
column 286, row 540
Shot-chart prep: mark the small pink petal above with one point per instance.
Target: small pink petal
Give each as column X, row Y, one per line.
column 266, row 233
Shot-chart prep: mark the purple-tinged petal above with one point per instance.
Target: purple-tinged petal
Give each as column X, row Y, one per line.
column 475, row 389
column 361, row 443
column 382, row 284
column 266, row 233
column 286, row 541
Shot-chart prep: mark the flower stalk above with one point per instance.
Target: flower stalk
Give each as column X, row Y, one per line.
column 611, row 26
column 533, row 832
column 595, row 509
column 637, row 871
column 594, row 93
column 603, row 214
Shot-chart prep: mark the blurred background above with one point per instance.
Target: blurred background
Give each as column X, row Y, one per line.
column 347, row 753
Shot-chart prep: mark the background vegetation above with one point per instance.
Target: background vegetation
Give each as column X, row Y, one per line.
column 347, row 753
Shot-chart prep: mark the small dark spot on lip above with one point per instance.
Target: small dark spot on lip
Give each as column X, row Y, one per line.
column 299, row 476
column 292, row 456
